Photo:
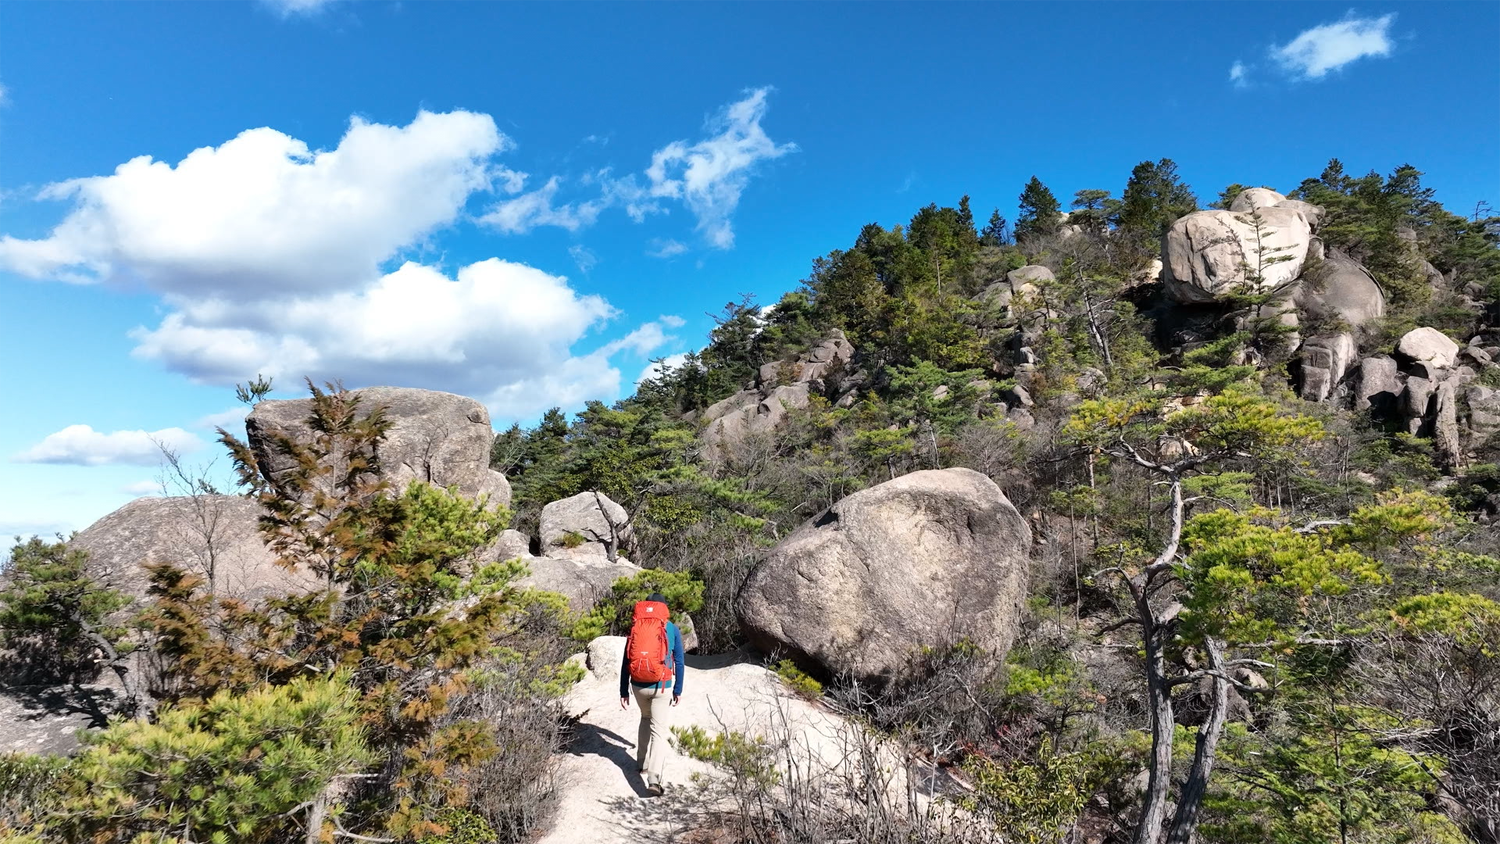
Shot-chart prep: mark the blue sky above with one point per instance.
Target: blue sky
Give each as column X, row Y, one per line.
column 527, row 203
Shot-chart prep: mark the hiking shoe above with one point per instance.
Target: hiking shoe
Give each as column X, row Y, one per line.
column 655, row 789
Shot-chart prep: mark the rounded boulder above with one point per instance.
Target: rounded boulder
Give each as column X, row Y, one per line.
column 927, row 560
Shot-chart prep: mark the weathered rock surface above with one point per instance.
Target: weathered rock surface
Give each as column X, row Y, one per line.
column 1313, row 213
column 1428, row 345
column 583, row 581
column 508, row 546
column 1024, row 281
column 924, row 560
column 1379, row 385
column 1253, row 198
column 439, row 438
column 195, row 532
column 1484, row 410
column 599, row 521
column 1341, row 289
column 1325, row 362
column 1210, row 253
column 602, row 798
column 780, row 385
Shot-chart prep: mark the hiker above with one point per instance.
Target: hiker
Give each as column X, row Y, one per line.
column 653, row 664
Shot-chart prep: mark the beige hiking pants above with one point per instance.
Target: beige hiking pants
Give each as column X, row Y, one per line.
column 651, row 746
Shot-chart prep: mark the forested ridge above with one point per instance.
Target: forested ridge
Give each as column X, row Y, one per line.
column 1263, row 563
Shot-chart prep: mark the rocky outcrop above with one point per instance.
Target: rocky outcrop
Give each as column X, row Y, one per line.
column 599, row 791
column 779, row 386
column 1313, row 213
column 1325, row 362
column 218, row 533
column 1341, row 289
column 1253, row 198
column 582, row 580
column 1025, row 281
column 1379, row 386
column 438, row 438
column 1428, row 346
column 1208, row 254
column 588, row 524
column 928, row 559
column 1484, row 410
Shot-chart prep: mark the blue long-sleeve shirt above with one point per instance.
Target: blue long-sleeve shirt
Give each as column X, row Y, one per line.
column 674, row 646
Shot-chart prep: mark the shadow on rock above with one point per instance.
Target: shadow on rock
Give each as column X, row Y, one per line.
column 593, row 740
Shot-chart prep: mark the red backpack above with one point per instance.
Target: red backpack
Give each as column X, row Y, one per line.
column 647, row 648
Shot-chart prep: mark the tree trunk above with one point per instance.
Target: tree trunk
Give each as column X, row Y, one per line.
column 1163, row 723
column 1153, row 636
column 1190, row 802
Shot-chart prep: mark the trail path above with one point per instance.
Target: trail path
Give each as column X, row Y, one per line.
column 603, row 799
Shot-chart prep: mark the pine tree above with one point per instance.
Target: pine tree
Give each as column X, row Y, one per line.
column 1040, row 212
column 1154, row 198
column 996, row 232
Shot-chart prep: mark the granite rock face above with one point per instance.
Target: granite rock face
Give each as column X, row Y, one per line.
column 438, row 438
column 927, row 559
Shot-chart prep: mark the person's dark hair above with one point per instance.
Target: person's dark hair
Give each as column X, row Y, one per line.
column 657, row 596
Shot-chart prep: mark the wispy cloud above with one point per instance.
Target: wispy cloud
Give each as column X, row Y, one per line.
column 1239, row 75
column 1331, row 46
column 581, row 256
column 708, row 176
column 81, row 445
column 288, row 8
column 665, row 248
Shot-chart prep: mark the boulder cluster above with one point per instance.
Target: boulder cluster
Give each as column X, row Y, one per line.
column 436, row 438
column 780, row 386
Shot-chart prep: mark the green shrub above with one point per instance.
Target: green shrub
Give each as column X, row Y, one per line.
column 463, row 827
column 236, row 768
column 572, row 539
column 611, row 617
column 54, row 616
column 28, row 784
column 749, row 760
column 798, row 680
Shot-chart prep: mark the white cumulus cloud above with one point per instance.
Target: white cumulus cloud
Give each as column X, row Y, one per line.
column 707, row 176
column 656, row 369
column 275, row 259
column 263, row 213
column 81, row 445
column 1315, row 52
column 493, row 323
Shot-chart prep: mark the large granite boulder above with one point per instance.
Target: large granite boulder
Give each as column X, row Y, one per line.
column 1428, row 346
column 1313, row 213
column 1253, row 198
column 588, row 524
column 439, row 438
column 1210, row 253
column 928, row 559
column 1025, row 281
column 220, row 533
column 1341, row 289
